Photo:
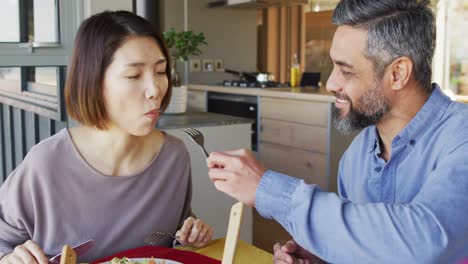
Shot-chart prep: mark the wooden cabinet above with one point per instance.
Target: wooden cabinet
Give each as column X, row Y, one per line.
column 295, row 111
column 297, row 138
column 300, row 136
column 307, row 165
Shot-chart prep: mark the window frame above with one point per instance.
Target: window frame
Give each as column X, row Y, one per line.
column 17, row 54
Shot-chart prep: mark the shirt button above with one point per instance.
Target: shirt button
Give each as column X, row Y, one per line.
column 378, row 169
column 412, row 142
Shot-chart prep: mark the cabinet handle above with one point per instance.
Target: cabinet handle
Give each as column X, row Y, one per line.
column 252, row 108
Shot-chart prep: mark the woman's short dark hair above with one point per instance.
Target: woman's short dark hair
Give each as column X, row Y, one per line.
column 96, row 42
column 396, row 28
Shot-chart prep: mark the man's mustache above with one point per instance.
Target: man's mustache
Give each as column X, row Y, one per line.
column 342, row 96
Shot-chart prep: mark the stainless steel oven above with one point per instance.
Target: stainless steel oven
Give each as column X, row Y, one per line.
column 235, row 105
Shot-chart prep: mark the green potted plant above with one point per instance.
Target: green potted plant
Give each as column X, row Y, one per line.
column 182, row 45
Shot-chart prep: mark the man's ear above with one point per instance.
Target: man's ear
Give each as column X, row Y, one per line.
column 401, row 70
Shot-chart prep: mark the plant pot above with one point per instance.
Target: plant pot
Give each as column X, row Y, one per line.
column 178, row 102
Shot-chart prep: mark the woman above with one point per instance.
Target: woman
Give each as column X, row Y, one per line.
column 115, row 179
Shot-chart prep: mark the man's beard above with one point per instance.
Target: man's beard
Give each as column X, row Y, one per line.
column 372, row 106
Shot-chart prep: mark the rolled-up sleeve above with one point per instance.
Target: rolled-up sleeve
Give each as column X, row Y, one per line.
column 432, row 228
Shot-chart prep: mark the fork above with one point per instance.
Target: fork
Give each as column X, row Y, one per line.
column 154, row 238
column 197, row 137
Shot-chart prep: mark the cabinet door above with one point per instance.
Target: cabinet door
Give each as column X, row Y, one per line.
column 306, row 137
column 196, row 100
column 296, row 111
column 267, row 232
column 309, row 166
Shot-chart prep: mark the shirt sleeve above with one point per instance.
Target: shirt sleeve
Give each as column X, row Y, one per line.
column 341, row 185
column 429, row 229
column 13, row 205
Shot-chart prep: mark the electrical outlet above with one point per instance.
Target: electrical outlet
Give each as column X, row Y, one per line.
column 195, row 65
column 219, row 65
column 208, row 65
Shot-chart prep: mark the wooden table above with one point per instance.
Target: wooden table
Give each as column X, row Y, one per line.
column 245, row 254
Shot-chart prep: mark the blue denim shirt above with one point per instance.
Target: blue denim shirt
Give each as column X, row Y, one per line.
column 411, row 209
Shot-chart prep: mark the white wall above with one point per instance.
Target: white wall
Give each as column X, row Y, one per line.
column 92, row 7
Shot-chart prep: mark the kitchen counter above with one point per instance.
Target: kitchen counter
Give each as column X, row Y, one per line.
column 198, row 119
column 462, row 98
column 298, row 93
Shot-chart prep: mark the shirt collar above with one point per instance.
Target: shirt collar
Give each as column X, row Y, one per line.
column 432, row 110
column 374, row 138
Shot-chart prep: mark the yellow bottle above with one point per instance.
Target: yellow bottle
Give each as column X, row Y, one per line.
column 295, row 72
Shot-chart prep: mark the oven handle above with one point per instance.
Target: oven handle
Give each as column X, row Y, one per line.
column 233, row 98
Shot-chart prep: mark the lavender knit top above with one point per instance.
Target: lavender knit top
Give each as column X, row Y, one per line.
column 54, row 197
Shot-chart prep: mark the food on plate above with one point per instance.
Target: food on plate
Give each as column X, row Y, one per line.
column 129, row 261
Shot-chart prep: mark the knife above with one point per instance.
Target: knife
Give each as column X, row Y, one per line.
column 79, row 249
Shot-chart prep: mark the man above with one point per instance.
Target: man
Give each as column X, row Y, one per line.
column 403, row 182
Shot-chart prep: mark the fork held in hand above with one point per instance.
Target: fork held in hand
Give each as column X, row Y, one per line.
column 154, row 238
column 197, row 137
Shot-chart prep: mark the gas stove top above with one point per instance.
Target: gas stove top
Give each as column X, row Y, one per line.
column 246, row 84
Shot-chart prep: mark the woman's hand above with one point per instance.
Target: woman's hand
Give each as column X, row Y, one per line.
column 194, row 232
column 27, row 253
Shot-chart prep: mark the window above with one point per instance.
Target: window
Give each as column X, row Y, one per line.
column 457, row 24
column 9, row 22
column 35, row 42
column 450, row 66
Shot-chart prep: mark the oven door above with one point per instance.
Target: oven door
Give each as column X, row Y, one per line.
column 235, row 105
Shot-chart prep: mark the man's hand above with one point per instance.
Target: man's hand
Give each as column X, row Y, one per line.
column 236, row 173
column 194, row 232
column 27, row 253
column 292, row 253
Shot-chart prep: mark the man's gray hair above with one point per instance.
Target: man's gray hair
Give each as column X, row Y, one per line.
column 396, row 28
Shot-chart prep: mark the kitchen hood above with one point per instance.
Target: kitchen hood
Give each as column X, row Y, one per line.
column 253, row 4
